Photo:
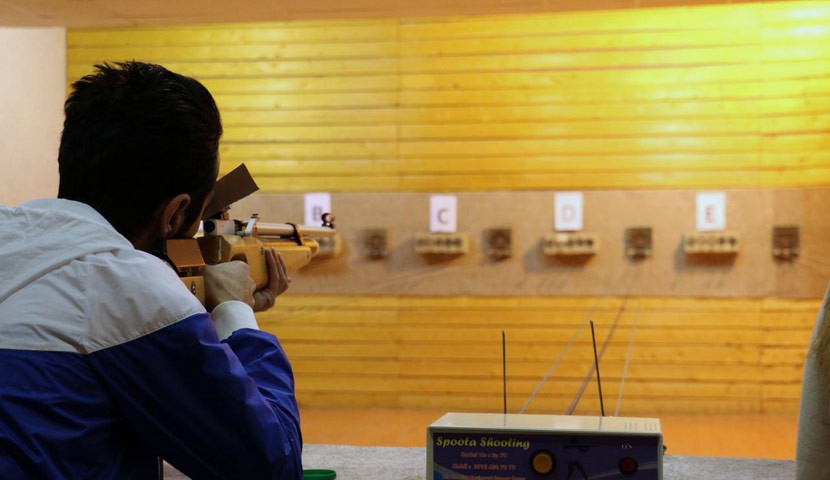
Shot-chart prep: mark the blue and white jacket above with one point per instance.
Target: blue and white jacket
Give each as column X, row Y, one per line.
column 108, row 361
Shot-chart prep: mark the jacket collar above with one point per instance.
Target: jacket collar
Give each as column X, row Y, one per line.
column 69, row 206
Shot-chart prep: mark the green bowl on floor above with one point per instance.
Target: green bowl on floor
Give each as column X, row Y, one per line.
column 319, row 475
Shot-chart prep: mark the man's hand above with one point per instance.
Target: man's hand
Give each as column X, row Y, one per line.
column 277, row 282
column 228, row 281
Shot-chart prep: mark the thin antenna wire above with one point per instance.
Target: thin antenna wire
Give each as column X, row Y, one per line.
column 590, row 373
column 814, row 267
column 591, row 312
column 559, row 358
column 596, row 366
column 504, row 369
column 817, row 261
column 628, row 357
column 292, row 312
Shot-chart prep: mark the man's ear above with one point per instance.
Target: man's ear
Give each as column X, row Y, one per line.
column 172, row 215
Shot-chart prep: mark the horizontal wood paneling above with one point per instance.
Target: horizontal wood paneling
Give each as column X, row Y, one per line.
column 708, row 96
column 687, row 355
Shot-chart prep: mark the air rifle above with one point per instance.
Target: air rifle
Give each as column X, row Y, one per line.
column 224, row 239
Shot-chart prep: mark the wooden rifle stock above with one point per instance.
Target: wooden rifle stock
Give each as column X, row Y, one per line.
column 230, row 240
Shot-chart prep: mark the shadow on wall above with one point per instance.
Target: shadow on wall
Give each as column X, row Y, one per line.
column 329, row 264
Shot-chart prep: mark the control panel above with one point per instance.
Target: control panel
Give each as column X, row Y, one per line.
column 535, row 447
column 711, row 243
column 441, row 244
column 570, row 243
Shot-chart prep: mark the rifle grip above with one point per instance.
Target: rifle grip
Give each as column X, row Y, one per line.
column 251, row 250
column 254, row 256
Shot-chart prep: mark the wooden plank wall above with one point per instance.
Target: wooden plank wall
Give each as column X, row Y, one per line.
column 693, row 97
column 687, row 355
column 734, row 96
column 410, row 331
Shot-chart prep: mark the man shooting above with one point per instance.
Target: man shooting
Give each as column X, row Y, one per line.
column 107, row 361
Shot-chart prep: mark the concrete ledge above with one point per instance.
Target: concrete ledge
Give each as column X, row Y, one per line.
column 392, row 463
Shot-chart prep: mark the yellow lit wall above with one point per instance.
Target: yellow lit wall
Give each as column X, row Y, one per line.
column 733, row 96
column 694, row 97
column 687, row 355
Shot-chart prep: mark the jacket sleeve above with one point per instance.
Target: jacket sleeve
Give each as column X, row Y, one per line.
column 213, row 409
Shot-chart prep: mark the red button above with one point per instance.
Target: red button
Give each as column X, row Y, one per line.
column 628, row 466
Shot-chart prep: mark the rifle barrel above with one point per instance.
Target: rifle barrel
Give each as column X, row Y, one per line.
column 286, row 230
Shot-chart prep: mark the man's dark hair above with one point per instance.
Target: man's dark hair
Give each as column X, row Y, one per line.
column 135, row 135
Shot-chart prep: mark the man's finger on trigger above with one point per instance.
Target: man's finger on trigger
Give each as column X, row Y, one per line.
column 273, row 269
column 281, row 262
column 271, row 258
column 281, row 274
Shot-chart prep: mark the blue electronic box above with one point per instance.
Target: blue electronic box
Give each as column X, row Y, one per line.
column 481, row 446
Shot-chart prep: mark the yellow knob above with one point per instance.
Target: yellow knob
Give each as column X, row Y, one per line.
column 542, row 463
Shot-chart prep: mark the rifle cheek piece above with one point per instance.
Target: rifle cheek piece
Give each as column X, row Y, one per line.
column 227, row 240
